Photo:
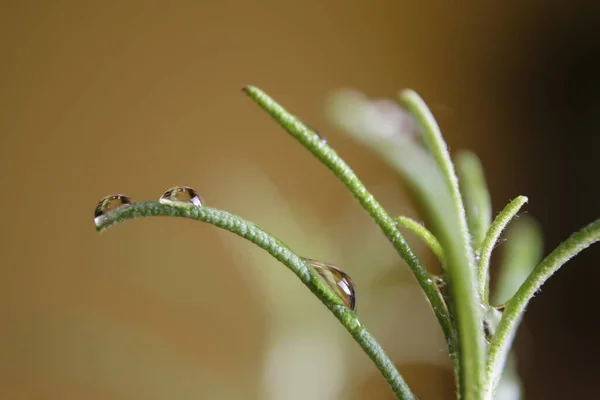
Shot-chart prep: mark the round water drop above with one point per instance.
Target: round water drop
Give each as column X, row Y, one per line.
column 338, row 280
column 108, row 204
column 181, row 194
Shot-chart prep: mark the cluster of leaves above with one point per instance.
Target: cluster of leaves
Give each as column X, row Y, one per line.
column 461, row 233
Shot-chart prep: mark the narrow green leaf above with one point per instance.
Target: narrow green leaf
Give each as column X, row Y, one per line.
column 324, row 153
column 286, row 256
column 461, row 259
column 489, row 242
column 476, row 195
column 436, row 145
column 366, row 121
column 425, row 235
column 515, row 307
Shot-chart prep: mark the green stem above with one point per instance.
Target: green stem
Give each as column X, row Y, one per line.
column 456, row 241
column 476, row 195
column 286, row 256
column 489, row 242
column 344, row 173
column 514, row 308
column 425, row 235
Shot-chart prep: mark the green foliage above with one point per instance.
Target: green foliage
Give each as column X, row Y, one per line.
column 461, row 235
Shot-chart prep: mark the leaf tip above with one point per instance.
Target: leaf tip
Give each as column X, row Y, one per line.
column 409, row 96
column 524, row 199
column 249, row 89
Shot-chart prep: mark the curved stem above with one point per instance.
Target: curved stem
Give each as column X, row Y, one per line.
column 460, row 258
column 513, row 312
column 487, row 246
column 476, row 195
column 434, row 141
column 425, row 235
column 344, row 173
column 285, row 255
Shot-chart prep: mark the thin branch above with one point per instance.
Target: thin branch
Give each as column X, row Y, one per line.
column 286, row 256
column 344, row 173
column 487, row 246
column 514, row 308
column 425, row 235
column 476, row 195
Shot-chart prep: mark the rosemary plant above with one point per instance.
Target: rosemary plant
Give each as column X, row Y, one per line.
column 462, row 235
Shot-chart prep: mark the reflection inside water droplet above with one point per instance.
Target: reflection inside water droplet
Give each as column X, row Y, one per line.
column 108, row 204
column 181, row 194
column 338, row 280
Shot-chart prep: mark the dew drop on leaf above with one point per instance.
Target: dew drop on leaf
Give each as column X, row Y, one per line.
column 339, row 281
column 108, row 204
column 181, row 194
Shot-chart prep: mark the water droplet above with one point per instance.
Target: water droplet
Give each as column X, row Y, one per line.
column 181, row 194
column 108, row 204
column 338, row 280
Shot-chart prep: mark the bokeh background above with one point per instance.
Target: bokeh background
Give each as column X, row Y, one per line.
column 136, row 97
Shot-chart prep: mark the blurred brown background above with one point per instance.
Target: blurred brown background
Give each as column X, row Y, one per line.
column 136, row 97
